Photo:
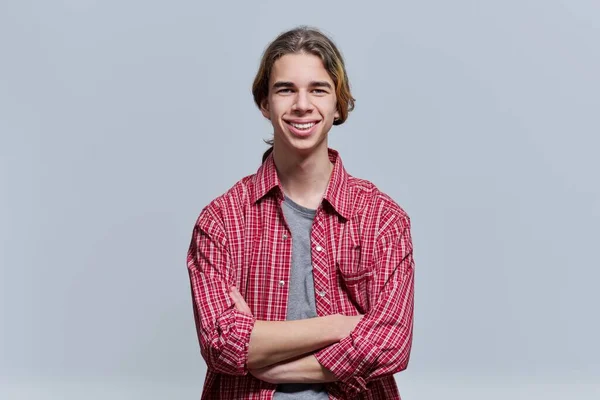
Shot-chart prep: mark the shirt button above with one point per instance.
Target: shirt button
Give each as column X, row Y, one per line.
column 322, row 293
column 319, row 248
column 285, row 236
column 281, row 283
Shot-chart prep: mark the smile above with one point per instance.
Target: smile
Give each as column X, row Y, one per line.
column 303, row 127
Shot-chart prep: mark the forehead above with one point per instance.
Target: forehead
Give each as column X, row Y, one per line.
column 300, row 69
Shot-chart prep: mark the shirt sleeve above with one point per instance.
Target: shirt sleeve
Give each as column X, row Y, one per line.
column 223, row 331
column 380, row 344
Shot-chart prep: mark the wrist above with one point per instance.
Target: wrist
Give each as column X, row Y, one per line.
column 327, row 328
column 305, row 370
column 336, row 328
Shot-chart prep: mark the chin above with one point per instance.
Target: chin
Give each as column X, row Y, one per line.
column 305, row 147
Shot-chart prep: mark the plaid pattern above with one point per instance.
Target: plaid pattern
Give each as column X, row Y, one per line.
column 362, row 263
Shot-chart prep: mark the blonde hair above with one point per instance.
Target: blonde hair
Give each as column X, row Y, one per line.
column 307, row 40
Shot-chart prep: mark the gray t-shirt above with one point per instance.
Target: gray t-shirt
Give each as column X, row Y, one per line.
column 301, row 300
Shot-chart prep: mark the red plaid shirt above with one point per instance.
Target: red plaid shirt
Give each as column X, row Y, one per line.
column 362, row 263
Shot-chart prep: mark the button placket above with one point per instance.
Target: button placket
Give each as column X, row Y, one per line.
column 320, row 259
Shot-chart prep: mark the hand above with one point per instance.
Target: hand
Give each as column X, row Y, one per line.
column 346, row 324
column 303, row 369
column 238, row 300
column 267, row 374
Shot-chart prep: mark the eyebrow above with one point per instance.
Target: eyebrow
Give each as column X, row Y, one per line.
column 283, row 84
column 320, row 84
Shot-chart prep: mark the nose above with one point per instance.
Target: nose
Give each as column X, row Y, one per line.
column 303, row 103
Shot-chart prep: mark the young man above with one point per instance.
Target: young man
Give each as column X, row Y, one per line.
column 302, row 276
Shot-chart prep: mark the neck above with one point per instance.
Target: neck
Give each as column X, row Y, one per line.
column 304, row 179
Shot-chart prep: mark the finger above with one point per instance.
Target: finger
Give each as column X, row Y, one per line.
column 236, row 297
column 239, row 301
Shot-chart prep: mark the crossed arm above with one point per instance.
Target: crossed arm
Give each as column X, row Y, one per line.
column 281, row 351
column 352, row 350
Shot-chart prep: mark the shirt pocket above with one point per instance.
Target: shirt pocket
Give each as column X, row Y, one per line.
column 354, row 277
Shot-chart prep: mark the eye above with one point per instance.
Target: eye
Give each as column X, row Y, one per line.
column 319, row 91
column 284, row 91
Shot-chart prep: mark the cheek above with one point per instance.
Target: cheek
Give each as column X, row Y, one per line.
column 329, row 108
column 279, row 107
column 328, row 103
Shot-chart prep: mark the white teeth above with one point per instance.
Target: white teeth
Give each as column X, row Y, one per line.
column 303, row 126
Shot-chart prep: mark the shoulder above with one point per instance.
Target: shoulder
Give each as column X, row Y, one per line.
column 372, row 203
column 229, row 205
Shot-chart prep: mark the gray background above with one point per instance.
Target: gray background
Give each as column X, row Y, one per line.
column 120, row 120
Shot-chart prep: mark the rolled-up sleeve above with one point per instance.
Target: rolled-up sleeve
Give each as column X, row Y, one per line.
column 380, row 344
column 223, row 331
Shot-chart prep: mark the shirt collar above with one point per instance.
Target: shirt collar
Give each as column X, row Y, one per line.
column 336, row 194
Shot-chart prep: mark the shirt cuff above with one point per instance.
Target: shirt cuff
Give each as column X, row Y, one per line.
column 234, row 329
column 350, row 360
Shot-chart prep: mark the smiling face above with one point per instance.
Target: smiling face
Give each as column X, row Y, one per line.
column 301, row 104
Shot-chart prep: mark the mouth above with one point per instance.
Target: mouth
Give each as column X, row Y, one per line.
column 302, row 128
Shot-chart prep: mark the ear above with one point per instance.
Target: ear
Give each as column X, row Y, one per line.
column 336, row 116
column 264, row 109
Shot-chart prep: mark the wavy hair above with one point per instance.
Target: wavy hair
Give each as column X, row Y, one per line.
column 307, row 40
